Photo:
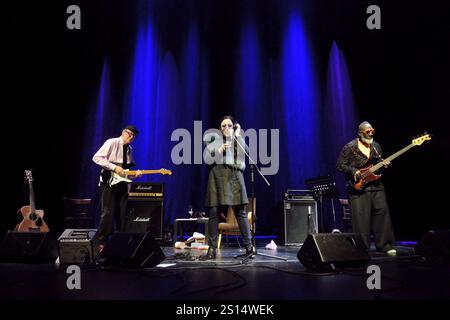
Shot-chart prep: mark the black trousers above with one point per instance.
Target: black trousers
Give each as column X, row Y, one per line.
column 370, row 215
column 242, row 220
column 113, row 209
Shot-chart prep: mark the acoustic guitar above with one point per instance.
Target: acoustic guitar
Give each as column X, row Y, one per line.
column 33, row 220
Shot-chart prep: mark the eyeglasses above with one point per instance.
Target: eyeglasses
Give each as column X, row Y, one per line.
column 368, row 131
column 227, row 125
column 129, row 133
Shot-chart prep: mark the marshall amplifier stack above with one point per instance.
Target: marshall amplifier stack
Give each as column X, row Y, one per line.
column 145, row 209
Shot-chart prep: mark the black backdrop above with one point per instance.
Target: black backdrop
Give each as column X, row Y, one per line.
column 401, row 80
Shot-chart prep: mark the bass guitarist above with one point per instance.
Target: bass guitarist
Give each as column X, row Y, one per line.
column 114, row 156
column 370, row 211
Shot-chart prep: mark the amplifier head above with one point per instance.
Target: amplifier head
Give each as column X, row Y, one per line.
column 150, row 190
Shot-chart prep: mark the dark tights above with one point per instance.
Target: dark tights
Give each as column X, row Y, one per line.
column 242, row 220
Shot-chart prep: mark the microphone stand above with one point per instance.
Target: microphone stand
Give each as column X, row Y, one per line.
column 252, row 179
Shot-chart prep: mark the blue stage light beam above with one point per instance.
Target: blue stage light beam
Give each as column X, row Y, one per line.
column 340, row 112
column 94, row 135
column 299, row 100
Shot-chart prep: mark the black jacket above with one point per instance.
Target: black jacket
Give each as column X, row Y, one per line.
column 351, row 159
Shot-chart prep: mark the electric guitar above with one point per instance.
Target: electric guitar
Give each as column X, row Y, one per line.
column 115, row 178
column 367, row 174
column 33, row 220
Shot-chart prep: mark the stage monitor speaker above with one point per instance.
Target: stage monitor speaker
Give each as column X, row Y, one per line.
column 131, row 251
column 29, row 247
column 145, row 215
column 300, row 219
column 327, row 251
column 434, row 245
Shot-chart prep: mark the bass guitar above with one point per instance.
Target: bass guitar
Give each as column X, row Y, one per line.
column 33, row 220
column 367, row 174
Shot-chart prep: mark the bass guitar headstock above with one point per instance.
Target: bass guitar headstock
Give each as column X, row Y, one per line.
column 421, row 139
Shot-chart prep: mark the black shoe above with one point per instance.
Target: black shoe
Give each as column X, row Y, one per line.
column 248, row 253
column 211, row 254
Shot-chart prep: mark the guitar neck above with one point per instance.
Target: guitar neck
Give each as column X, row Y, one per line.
column 32, row 204
column 392, row 157
column 134, row 172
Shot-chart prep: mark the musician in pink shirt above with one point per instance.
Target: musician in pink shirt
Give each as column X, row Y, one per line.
column 114, row 157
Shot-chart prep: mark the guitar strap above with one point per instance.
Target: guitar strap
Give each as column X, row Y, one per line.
column 124, row 156
column 377, row 153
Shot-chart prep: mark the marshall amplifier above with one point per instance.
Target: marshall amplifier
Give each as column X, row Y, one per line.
column 147, row 190
column 145, row 209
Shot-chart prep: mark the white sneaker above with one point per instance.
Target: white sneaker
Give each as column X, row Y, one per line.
column 391, row 252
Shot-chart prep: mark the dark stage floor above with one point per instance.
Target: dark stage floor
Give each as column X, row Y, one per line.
column 405, row 276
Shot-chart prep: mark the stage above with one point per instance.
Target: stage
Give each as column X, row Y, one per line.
column 150, row 85
column 182, row 276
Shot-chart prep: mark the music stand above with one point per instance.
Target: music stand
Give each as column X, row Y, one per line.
column 322, row 187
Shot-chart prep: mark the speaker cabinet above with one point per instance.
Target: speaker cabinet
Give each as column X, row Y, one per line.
column 300, row 219
column 29, row 247
column 145, row 215
column 434, row 245
column 327, row 251
column 131, row 251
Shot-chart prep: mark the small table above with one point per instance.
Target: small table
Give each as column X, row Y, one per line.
column 181, row 221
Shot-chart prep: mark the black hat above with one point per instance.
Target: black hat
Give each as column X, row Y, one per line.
column 132, row 129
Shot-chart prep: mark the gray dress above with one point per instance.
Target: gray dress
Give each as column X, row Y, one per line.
column 226, row 185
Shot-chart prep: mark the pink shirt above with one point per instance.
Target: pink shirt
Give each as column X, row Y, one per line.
column 111, row 154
